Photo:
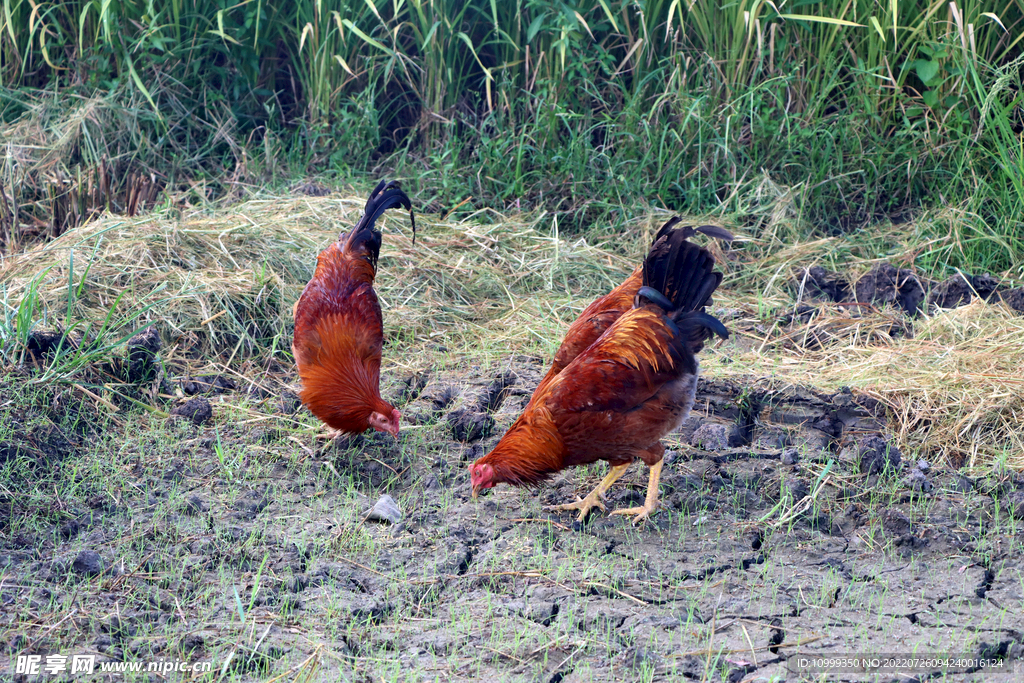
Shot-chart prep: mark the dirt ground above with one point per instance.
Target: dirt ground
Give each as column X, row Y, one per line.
column 788, row 527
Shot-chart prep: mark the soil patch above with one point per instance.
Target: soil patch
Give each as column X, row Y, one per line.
column 798, row 530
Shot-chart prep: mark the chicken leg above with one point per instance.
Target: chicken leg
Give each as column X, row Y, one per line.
column 651, row 503
column 593, row 498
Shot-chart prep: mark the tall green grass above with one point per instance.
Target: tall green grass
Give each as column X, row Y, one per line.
column 855, row 110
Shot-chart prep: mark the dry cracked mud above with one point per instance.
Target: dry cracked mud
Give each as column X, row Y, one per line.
column 788, row 525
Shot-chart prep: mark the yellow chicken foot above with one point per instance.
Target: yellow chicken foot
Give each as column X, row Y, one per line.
column 333, row 437
column 593, row 499
column 329, row 435
column 651, row 503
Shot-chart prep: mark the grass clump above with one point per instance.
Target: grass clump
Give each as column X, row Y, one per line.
column 858, row 112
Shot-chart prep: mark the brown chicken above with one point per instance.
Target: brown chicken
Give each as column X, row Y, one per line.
column 619, row 396
column 339, row 330
column 603, row 311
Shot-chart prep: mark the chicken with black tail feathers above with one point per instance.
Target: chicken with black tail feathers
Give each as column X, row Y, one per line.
column 634, row 383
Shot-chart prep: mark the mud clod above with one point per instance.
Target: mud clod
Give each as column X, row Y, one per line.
column 142, row 350
column 43, row 342
column 962, row 484
column 250, row 508
column 1014, row 298
column 444, row 398
column 1015, row 504
column 70, row 529
column 957, row 291
column 413, row 387
column 797, row 488
column 191, row 643
column 103, row 643
column 887, row 285
column 692, row 668
column 823, row 285
column 194, row 506
column 495, row 393
column 876, row 454
column 119, row 628
column 207, row 384
column 370, row 611
column 198, row 410
column 895, row 523
column 467, row 425
column 711, row 437
column 917, row 481
column 88, row 563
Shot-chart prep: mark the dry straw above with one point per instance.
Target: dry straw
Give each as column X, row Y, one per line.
column 954, row 390
column 220, row 286
column 224, row 282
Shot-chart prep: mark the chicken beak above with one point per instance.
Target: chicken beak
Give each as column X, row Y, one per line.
column 476, row 491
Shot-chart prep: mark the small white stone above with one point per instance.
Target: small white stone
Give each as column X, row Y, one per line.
column 385, row 510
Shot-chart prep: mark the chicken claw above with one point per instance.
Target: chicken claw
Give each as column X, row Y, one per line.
column 329, row 435
column 593, row 499
column 584, row 505
column 651, row 503
column 642, row 513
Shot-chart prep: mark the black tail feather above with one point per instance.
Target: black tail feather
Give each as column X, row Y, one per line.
column 679, row 277
column 387, row 195
column 681, row 271
column 667, row 228
column 689, row 230
column 654, row 296
column 696, row 327
column 715, row 231
column 697, row 322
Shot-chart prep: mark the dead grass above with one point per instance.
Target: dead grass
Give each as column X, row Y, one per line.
column 954, row 389
column 221, row 285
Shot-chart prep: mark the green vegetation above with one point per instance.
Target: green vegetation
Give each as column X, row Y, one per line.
column 843, row 114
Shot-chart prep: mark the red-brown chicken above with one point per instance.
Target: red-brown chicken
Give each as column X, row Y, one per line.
column 603, row 311
column 339, row 329
column 618, row 397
